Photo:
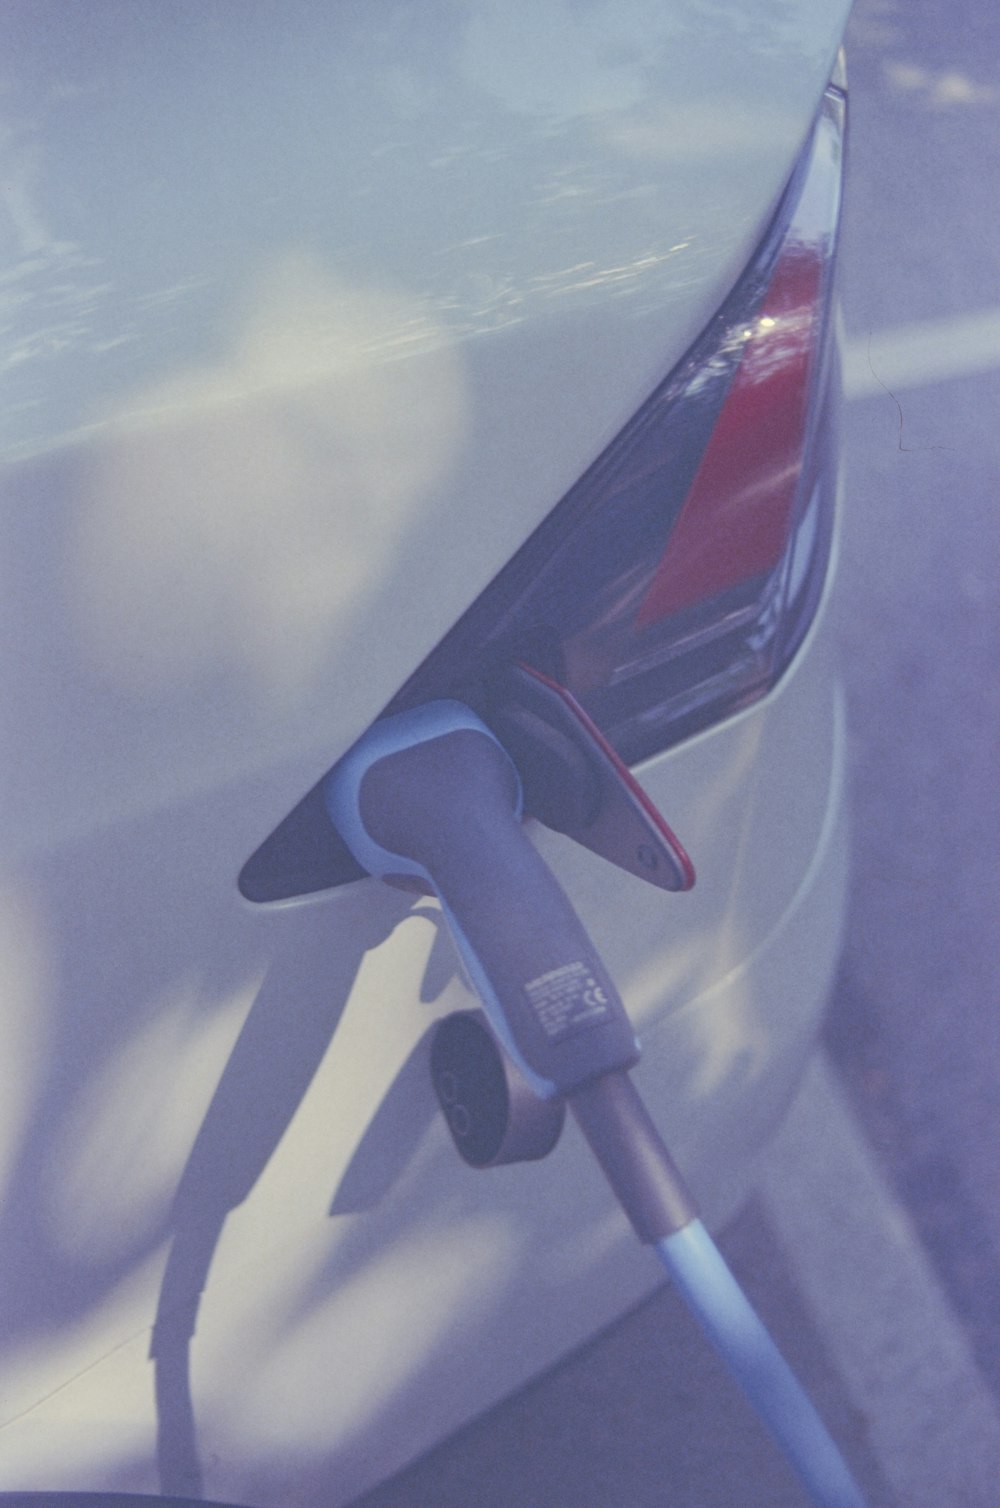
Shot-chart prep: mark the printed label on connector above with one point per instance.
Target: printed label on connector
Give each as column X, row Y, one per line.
column 566, row 999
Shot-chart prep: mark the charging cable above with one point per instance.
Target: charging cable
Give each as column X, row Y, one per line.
column 430, row 798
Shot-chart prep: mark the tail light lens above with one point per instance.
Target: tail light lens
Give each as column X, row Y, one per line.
column 675, row 581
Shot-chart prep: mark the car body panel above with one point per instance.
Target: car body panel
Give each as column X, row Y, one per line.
column 310, row 325
column 357, row 1290
column 314, row 320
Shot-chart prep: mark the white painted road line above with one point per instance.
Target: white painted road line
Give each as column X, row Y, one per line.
column 933, row 1425
column 932, row 350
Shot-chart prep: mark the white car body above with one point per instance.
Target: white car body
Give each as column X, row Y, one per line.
column 301, row 350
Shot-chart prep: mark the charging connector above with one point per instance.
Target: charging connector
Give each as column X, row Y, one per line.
column 432, row 796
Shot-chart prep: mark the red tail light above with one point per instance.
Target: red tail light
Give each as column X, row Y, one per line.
column 736, row 518
column 676, row 580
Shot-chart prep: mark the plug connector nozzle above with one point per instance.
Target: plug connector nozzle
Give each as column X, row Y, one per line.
column 431, row 794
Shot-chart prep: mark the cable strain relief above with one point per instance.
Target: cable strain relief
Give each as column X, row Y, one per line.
column 636, row 1163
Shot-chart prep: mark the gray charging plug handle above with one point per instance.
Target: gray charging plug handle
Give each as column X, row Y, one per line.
column 449, row 805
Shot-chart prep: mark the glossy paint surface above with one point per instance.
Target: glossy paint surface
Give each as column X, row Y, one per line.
column 310, row 319
column 224, row 1123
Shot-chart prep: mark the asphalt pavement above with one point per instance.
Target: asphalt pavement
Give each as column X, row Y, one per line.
column 893, row 1321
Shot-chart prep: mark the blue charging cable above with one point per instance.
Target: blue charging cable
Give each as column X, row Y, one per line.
column 431, row 795
column 734, row 1328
